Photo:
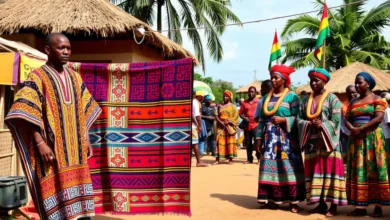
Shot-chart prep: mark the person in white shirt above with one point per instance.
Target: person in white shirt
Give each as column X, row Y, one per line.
column 197, row 126
column 386, row 120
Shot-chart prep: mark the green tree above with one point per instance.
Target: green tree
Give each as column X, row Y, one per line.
column 213, row 14
column 355, row 36
column 218, row 87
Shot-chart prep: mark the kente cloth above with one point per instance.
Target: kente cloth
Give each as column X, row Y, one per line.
column 324, row 170
column 62, row 111
column 368, row 171
column 226, row 139
column 142, row 141
column 281, row 173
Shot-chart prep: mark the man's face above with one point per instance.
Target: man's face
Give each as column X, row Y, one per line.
column 59, row 50
column 351, row 93
column 199, row 98
column 251, row 93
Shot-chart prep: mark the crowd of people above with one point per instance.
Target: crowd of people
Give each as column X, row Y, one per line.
column 301, row 143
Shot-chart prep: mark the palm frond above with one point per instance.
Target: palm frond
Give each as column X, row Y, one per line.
column 352, row 6
column 375, row 20
column 376, row 60
column 188, row 21
column 302, row 45
column 173, row 23
column 305, row 23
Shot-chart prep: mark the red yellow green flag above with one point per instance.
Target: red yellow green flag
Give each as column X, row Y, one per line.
column 323, row 33
column 276, row 53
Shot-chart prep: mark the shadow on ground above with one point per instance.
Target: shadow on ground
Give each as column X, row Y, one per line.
column 244, row 201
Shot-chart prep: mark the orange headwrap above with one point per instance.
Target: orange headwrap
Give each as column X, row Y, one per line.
column 284, row 71
column 228, row 93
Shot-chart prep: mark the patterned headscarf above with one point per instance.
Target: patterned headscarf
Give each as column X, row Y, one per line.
column 207, row 98
column 283, row 71
column 228, row 93
column 320, row 73
column 370, row 80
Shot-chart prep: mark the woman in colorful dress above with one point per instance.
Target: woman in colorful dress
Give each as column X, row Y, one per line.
column 319, row 132
column 227, row 124
column 281, row 173
column 367, row 159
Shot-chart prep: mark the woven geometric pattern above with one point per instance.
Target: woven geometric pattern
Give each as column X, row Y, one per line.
column 141, row 142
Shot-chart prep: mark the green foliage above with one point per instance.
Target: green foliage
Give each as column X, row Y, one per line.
column 213, row 14
column 218, row 87
column 355, row 36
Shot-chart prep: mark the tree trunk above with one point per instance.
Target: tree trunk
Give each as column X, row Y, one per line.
column 160, row 3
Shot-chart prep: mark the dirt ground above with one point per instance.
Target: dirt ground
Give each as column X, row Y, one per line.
column 224, row 192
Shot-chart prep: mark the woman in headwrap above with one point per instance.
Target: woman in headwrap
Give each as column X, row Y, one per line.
column 319, row 132
column 281, row 174
column 227, row 124
column 367, row 158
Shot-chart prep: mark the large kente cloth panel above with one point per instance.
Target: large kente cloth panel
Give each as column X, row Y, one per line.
column 141, row 141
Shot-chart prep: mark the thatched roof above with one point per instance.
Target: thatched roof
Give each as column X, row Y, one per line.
column 95, row 17
column 13, row 46
column 244, row 89
column 343, row 77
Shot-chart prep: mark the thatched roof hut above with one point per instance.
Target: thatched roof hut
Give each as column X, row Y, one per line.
column 343, row 77
column 94, row 18
column 244, row 89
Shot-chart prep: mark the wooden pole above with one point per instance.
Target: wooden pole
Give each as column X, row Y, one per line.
column 324, row 55
column 277, row 60
column 2, row 102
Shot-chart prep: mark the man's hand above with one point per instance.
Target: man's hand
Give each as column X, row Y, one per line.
column 89, row 146
column 46, row 153
column 89, row 150
column 199, row 129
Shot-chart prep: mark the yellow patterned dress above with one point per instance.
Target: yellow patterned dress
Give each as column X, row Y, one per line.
column 226, row 136
column 63, row 111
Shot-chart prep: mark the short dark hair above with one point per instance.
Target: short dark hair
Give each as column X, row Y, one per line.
column 252, row 87
column 267, row 83
column 50, row 37
column 350, row 86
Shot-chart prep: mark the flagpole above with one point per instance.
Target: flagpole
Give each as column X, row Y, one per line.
column 324, row 55
column 277, row 60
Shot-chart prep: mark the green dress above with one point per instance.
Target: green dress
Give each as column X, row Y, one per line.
column 324, row 168
column 368, row 162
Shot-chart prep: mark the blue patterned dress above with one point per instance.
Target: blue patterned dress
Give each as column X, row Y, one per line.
column 281, row 173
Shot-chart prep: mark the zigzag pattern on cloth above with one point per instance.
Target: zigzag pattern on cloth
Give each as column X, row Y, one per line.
column 142, row 148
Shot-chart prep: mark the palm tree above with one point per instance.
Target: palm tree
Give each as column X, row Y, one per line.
column 355, row 36
column 213, row 14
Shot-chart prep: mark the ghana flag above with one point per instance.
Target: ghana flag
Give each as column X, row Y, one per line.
column 323, row 33
column 276, row 53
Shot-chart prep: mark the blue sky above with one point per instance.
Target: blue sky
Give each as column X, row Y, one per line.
column 248, row 48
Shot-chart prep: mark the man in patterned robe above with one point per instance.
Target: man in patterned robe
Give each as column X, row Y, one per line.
column 49, row 120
